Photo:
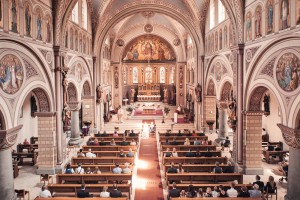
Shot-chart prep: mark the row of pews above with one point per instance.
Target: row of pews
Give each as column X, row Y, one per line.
column 106, row 157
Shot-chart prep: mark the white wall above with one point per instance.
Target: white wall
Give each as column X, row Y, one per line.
column 29, row 124
column 270, row 122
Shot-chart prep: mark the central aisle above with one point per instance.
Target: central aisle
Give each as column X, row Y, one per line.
column 148, row 182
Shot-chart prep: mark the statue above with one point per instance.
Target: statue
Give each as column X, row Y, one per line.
column 99, row 92
column 198, row 92
column 267, row 103
column 66, row 116
column 48, row 38
column 166, row 94
column 232, row 111
column 132, row 93
column 248, row 26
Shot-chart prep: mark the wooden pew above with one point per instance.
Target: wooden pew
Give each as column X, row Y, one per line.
column 33, row 140
column 109, row 138
column 204, row 176
column 265, row 144
column 102, row 160
column 183, row 153
column 19, row 156
column 195, row 160
column 196, row 167
column 191, row 138
column 184, row 186
column 108, row 153
column 218, row 198
column 108, row 148
column 187, row 147
column 179, row 141
column 82, row 178
column 29, row 147
column 75, row 198
column 118, row 143
column 267, row 155
column 92, row 188
column 102, row 168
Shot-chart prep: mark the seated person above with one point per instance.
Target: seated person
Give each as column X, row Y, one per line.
column 208, row 153
column 255, row 193
column 282, row 169
column 115, row 193
column 208, row 192
column 197, row 142
column 130, row 153
column 168, row 153
column 102, row 143
column 124, row 143
column 104, row 193
column 90, row 142
column 89, row 154
column 126, row 170
column 270, row 186
column 117, row 169
column 189, row 133
column 132, row 134
column 174, row 192
column 122, row 154
column 80, row 153
column 180, row 168
column 133, row 142
column 45, row 193
column 198, row 153
column 201, row 134
column 215, row 192
column 187, row 142
column 172, row 169
column 104, row 134
column 190, row 154
column 270, row 147
column 97, row 170
column 265, row 135
column 218, row 169
column 194, row 133
column 79, row 169
column 96, row 142
column 259, row 183
column 82, row 193
column 174, row 153
column 244, row 192
column 115, row 134
column 179, row 133
column 26, row 142
column 168, row 134
column 205, row 142
column 226, row 142
column 229, row 168
column 174, row 142
column 113, row 143
column 232, row 192
column 278, row 147
column 69, row 170
column 88, row 171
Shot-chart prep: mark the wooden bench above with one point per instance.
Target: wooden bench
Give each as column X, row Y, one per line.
column 281, row 154
column 101, row 160
column 109, row 138
column 204, row 176
column 92, row 188
column 191, row 138
column 183, row 153
column 33, row 140
column 118, row 142
column 29, row 147
column 75, row 198
column 218, row 198
column 265, row 144
column 109, row 148
column 184, row 186
column 108, row 153
column 196, row 167
column 187, row 147
column 102, row 168
column 179, row 142
column 83, row 178
column 195, row 160
column 19, row 157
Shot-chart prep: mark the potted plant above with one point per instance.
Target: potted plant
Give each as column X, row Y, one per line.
column 166, row 110
column 129, row 110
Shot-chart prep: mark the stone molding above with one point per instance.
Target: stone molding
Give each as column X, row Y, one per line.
column 222, row 104
column 74, row 105
column 254, row 113
column 8, row 137
column 87, row 97
column 44, row 114
column 290, row 136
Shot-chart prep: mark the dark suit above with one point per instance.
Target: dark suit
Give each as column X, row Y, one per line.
column 179, row 134
column 201, row 134
column 229, row 169
column 132, row 134
column 174, row 193
column 174, row 143
column 172, row 170
column 244, row 194
column 124, row 143
column 102, row 143
column 115, row 193
column 190, row 154
column 208, row 154
column 83, row 194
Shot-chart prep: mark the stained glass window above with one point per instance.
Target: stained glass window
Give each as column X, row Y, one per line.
column 135, row 75
column 162, row 75
column 148, row 75
column 75, row 13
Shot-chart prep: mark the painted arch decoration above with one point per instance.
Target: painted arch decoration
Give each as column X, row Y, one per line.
column 148, row 47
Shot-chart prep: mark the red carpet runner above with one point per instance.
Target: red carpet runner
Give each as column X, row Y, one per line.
column 148, row 183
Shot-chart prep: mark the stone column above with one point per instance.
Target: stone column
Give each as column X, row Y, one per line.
column 47, row 145
column 209, row 111
column 222, row 106
column 58, row 104
column 252, row 150
column 202, row 83
column 7, row 140
column 291, row 138
column 94, row 86
column 75, row 131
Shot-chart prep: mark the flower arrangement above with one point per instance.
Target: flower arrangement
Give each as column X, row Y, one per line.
column 166, row 110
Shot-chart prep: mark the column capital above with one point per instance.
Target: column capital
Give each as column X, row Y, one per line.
column 74, row 105
column 9, row 137
column 44, row 114
column 291, row 136
column 222, row 104
column 56, row 50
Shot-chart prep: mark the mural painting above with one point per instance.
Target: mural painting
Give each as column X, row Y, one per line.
column 270, row 16
column 225, row 37
column 149, row 47
column 11, row 74
column 258, row 22
column 248, row 26
column 297, row 12
column 14, row 16
column 218, row 71
column 288, row 71
column 28, row 21
column 216, row 41
column 284, row 10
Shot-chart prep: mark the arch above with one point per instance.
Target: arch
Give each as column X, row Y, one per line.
column 256, row 97
column 211, row 88
column 72, row 93
column 86, row 89
column 2, row 121
column 42, row 98
column 226, row 91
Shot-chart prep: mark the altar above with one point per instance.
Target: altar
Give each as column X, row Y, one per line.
column 148, row 92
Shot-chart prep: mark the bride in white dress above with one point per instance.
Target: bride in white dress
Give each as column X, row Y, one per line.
column 145, row 133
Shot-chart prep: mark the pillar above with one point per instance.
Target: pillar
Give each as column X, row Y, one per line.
column 58, row 104
column 47, row 143
column 222, row 106
column 94, row 86
column 202, row 83
column 7, row 140
column 291, row 138
column 75, row 131
column 252, row 143
column 209, row 111
column 88, row 109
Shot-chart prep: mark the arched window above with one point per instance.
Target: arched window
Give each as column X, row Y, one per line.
column 162, row 75
column 135, row 75
column 172, row 75
column 75, row 13
column 84, row 14
column 212, row 13
column 221, row 11
column 148, row 75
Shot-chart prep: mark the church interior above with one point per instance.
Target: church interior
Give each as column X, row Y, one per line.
column 149, row 99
